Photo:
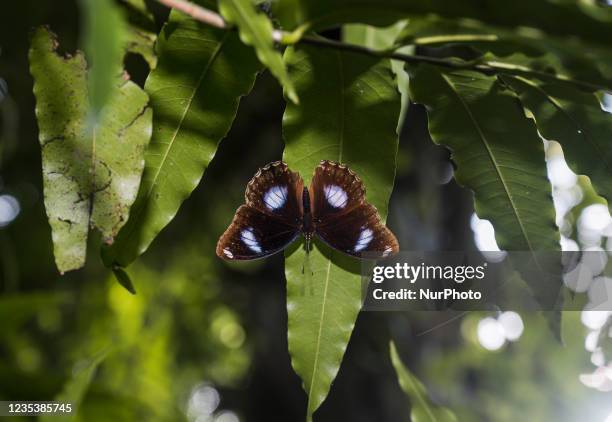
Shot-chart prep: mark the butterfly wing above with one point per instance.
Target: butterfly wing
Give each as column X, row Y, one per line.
column 341, row 216
column 271, row 218
column 335, row 190
column 277, row 191
column 254, row 234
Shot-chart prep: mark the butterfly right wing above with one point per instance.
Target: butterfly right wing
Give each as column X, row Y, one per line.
column 343, row 218
column 270, row 220
column 335, row 190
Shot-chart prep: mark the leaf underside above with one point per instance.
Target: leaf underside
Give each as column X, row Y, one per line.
column 91, row 170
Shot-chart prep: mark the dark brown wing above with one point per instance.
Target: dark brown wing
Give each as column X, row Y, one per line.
column 270, row 220
column 334, row 190
column 276, row 190
column 358, row 232
column 254, row 235
column 343, row 219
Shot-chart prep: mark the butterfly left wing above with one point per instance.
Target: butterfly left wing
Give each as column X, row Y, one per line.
column 271, row 217
column 343, row 218
column 254, row 235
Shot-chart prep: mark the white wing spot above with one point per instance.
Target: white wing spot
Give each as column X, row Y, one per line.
column 275, row 197
column 228, row 253
column 336, row 196
column 387, row 251
column 248, row 238
column 365, row 237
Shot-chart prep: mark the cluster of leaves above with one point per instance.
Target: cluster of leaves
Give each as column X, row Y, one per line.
column 494, row 83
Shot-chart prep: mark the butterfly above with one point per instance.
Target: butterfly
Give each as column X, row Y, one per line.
column 278, row 208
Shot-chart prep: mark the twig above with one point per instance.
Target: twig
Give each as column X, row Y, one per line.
column 197, row 12
column 287, row 38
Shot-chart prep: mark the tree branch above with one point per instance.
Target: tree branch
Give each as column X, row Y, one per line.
column 286, row 38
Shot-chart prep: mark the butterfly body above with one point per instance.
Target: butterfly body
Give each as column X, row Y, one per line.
column 307, row 223
column 278, row 208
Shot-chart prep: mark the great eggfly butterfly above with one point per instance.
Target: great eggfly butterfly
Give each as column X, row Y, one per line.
column 278, row 207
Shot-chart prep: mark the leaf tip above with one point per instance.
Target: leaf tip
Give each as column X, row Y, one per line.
column 123, row 279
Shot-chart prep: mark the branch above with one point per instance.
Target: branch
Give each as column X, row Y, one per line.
column 287, row 38
column 197, row 12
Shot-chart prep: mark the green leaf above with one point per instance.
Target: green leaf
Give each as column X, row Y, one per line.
column 589, row 22
column 522, row 47
column 576, row 120
column 422, row 408
column 383, row 39
column 123, row 278
column 256, row 30
column 497, row 150
column 195, row 89
column 103, row 43
column 90, row 173
column 500, row 156
column 348, row 113
column 141, row 34
column 76, row 388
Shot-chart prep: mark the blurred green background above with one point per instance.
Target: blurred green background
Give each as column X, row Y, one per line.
column 204, row 340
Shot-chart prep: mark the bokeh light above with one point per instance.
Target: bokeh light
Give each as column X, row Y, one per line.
column 490, row 334
column 9, row 209
column 512, row 325
column 203, row 401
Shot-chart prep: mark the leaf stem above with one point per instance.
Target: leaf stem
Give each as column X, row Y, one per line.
column 212, row 18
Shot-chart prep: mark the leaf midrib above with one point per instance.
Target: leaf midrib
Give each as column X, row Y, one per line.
column 485, row 142
column 329, row 262
column 318, row 344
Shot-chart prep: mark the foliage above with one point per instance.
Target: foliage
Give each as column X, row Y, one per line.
column 422, row 407
column 256, row 30
column 103, row 43
column 328, row 124
column 498, row 83
column 91, row 169
column 201, row 75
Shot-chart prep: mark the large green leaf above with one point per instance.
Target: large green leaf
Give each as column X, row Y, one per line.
column 579, row 19
column 103, row 43
column 497, row 150
column 195, row 89
column 422, row 409
column 256, row 30
column 348, row 113
column 500, row 156
column 91, row 172
column 576, row 120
